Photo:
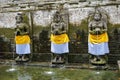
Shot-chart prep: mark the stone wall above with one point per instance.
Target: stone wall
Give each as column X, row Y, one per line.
column 43, row 16
column 78, row 14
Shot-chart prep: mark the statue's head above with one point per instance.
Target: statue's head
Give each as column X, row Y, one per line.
column 19, row 18
column 57, row 17
column 97, row 16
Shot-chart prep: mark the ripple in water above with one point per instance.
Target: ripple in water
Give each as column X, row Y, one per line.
column 11, row 70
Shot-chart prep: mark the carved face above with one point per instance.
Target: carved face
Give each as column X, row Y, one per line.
column 57, row 17
column 97, row 17
column 19, row 18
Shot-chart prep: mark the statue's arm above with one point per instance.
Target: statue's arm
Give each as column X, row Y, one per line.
column 52, row 28
column 17, row 30
column 104, row 27
column 90, row 28
column 64, row 28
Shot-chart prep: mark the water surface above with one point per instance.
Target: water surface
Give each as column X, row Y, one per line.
column 23, row 72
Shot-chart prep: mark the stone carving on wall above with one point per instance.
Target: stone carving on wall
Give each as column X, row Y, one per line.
column 59, row 38
column 98, row 37
column 22, row 38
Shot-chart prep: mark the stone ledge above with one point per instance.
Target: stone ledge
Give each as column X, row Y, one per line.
column 72, row 58
column 30, row 5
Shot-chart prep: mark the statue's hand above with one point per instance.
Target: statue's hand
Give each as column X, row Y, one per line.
column 97, row 29
column 92, row 31
column 57, row 32
column 101, row 31
column 104, row 30
column 62, row 32
column 17, row 32
column 24, row 33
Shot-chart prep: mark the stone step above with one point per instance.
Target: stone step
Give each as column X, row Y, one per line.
column 72, row 57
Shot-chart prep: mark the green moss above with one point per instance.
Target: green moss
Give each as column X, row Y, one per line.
column 109, row 26
column 73, row 27
column 26, row 19
column 116, row 25
column 8, row 32
column 84, row 25
column 112, row 27
column 38, row 28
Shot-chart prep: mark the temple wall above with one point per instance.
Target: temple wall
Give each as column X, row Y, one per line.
column 42, row 14
column 76, row 15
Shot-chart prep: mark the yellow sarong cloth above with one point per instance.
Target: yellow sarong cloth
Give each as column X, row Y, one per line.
column 24, row 39
column 95, row 39
column 59, row 39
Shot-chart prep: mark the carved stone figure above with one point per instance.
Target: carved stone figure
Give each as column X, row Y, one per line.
column 59, row 38
column 98, row 39
column 22, row 38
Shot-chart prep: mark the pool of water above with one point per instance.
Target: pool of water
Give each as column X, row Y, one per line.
column 22, row 72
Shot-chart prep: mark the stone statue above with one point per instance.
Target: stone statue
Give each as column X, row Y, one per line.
column 22, row 38
column 59, row 38
column 98, row 39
